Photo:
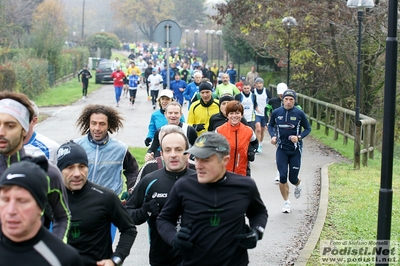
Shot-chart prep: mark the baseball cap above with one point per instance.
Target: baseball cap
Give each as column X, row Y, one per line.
column 281, row 87
column 154, row 69
column 208, row 144
column 243, row 78
column 290, row 93
column 226, row 97
column 30, row 176
column 166, row 93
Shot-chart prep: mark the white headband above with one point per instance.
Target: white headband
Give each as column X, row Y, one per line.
column 17, row 110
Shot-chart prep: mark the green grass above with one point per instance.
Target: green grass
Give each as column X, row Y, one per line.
column 353, row 198
column 139, row 154
column 66, row 93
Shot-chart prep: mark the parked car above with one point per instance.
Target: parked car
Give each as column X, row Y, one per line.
column 103, row 72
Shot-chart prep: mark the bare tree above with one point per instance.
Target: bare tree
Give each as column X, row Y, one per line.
column 145, row 14
column 16, row 19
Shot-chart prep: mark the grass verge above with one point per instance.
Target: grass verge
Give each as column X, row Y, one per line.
column 70, row 91
column 353, row 199
column 66, row 93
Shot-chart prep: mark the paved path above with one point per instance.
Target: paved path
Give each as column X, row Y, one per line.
column 285, row 233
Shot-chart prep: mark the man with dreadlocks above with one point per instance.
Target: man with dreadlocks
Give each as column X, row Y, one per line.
column 108, row 157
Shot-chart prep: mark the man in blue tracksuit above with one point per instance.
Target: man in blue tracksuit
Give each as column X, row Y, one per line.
column 285, row 127
column 178, row 86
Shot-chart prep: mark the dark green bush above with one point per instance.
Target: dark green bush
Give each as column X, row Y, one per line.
column 7, row 78
column 105, row 41
column 31, row 76
column 70, row 61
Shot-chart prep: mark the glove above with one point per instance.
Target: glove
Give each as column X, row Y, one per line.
column 199, row 127
column 251, row 156
column 147, row 141
column 150, row 206
column 181, row 238
column 249, row 239
column 125, row 195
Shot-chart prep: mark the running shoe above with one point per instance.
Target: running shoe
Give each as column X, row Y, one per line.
column 259, row 150
column 277, row 177
column 297, row 191
column 286, row 207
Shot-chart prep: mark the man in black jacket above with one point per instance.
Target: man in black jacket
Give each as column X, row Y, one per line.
column 147, row 72
column 93, row 209
column 84, row 75
column 151, row 193
column 213, row 204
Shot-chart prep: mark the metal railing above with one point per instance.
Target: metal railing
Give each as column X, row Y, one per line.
column 342, row 122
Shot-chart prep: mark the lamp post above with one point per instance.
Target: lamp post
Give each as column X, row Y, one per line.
column 187, row 33
column 219, row 34
column 196, row 32
column 389, row 123
column 288, row 23
column 212, row 45
column 207, row 32
column 360, row 5
column 83, row 20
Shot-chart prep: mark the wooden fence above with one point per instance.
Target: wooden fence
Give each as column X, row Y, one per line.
column 342, row 122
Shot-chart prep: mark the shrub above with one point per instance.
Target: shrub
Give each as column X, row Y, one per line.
column 105, row 41
column 69, row 61
column 32, row 77
column 7, row 78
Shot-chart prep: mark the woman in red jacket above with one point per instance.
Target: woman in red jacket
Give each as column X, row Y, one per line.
column 241, row 138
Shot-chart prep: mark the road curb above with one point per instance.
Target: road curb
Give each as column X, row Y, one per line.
column 320, row 220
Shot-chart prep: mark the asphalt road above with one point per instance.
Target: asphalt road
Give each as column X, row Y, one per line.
column 285, row 234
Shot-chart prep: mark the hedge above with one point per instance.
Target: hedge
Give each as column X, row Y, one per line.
column 32, row 76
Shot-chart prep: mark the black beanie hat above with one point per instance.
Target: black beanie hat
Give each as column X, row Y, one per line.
column 70, row 153
column 205, row 86
column 290, row 93
column 29, row 176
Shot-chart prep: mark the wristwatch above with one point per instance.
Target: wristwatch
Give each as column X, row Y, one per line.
column 117, row 260
column 260, row 231
column 299, row 137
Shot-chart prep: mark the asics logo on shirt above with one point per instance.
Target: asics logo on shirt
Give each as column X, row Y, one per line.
column 159, row 195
